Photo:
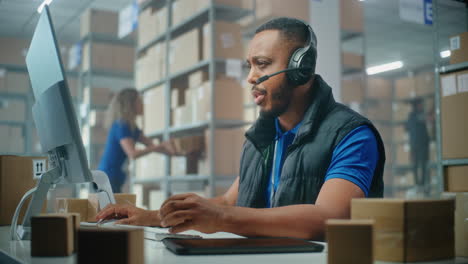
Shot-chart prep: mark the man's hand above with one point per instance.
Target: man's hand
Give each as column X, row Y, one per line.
column 190, row 211
column 130, row 215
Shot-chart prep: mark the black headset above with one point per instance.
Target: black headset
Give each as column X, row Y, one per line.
column 301, row 65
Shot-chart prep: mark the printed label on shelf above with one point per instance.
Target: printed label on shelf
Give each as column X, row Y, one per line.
column 449, row 85
column 462, row 83
column 200, row 93
column 234, row 68
column 455, row 43
column 39, row 167
column 128, row 19
column 74, row 56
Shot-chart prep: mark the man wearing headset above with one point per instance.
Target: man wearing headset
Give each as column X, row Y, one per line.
column 303, row 160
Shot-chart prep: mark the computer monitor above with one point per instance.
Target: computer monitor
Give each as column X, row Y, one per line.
column 57, row 126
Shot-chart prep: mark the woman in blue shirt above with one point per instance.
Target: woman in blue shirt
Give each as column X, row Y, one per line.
column 123, row 134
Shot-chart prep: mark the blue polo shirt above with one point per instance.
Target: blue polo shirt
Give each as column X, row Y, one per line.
column 114, row 156
column 353, row 159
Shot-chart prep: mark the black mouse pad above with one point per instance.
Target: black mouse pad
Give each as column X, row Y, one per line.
column 240, row 246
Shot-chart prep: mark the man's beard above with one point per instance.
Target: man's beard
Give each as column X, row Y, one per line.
column 282, row 98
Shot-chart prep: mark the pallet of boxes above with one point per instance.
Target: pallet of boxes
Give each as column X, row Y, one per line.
column 454, row 107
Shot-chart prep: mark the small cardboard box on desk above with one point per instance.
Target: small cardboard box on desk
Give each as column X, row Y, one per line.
column 88, row 208
column 54, row 234
column 350, row 241
column 409, row 230
column 17, row 176
column 109, row 245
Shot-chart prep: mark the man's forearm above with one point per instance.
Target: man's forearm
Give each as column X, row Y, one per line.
column 301, row 221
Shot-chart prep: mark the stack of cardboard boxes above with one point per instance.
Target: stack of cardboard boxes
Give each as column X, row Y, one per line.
column 104, row 55
column 190, row 93
column 454, row 102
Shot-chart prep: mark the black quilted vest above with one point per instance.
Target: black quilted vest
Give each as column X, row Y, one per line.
column 325, row 124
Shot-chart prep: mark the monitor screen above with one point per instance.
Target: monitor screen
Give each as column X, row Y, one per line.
column 53, row 111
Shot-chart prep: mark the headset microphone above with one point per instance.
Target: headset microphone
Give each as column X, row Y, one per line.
column 266, row 77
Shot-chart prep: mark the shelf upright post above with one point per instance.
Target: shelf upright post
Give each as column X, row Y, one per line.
column 167, row 105
column 212, row 119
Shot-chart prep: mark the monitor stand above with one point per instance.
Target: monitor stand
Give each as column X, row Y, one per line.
column 101, row 186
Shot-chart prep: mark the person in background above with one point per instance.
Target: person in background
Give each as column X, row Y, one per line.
column 419, row 142
column 123, row 135
column 303, row 160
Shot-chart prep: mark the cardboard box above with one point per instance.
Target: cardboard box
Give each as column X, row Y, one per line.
column 182, row 116
column 12, row 109
column 183, row 165
column 98, row 96
column 350, row 241
column 99, row 21
column 269, row 9
column 425, row 84
column 52, row 235
column 381, row 110
column 106, row 245
column 401, row 111
column 73, row 87
column 14, row 82
column 400, row 134
column 352, row 16
column 409, row 230
column 152, row 23
column 73, row 205
column 184, row 51
column 403, row 154
column 150, row 166
column 15, row 142
column 150, row 66
column 228, row 41
column 405, row 88
column 228, row 147
column 11, row 191
column 459, row 48
column 97, row 118
column 188, row 145
column 456, row 178
column 352, row 61
column 120, row 198
column 378, row 88
column 384, row 131
column 108, row 57
column 13, row 50
column 228, row 101
column 197, row 78
column 461, row 224
column 154, row 118
column 177, row 97
column 352, row 90
column 454, row 106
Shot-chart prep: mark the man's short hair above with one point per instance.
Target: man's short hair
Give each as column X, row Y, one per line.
column 295, row 31
column 291, row 29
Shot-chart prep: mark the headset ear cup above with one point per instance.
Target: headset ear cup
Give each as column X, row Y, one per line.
column 299, row 59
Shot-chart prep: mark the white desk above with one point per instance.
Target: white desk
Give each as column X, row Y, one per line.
column 155, row 252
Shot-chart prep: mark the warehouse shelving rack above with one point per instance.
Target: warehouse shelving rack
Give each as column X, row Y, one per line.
column 93, row 77
column 440, row 69
column 27, row 125
column 209, row 14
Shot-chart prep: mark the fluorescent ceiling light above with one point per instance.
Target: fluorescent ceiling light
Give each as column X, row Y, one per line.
column 445, row 53
column 46, row 2
column 384, row 67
